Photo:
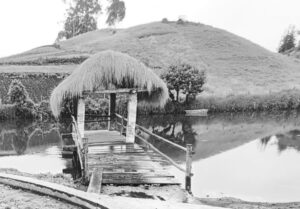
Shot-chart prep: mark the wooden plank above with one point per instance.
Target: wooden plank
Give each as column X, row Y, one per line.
column 161, row 181
column 96, row 181
column 66, row 154
column 123, row 163
column 135, row 175
column 70, row 148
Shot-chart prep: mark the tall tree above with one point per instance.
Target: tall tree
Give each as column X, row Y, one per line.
column 288, row 40
column 83, row 14
column 116, row 12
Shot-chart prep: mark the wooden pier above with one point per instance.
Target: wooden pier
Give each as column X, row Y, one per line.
column 106, row 158
column 124, row 163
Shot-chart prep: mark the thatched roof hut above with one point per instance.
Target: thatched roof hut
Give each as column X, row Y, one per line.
column 110, row 70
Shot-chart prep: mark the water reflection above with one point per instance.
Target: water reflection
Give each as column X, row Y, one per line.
column 254, row 157
column 217, row 133
column 284, row 141
column 24, row 144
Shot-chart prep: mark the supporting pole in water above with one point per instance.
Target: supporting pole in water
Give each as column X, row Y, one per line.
column 85, row 158
column 80, row 116
column 131, row 117
column 112, row 110
column 122, row 126
column 188, row 171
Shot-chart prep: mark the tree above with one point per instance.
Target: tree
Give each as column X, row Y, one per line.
column 82, row 16
column 288, row 40
column 184, row 78
column 116, row 12
column 17, row 93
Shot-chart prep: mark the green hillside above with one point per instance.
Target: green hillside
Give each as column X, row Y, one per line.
column 234, row 65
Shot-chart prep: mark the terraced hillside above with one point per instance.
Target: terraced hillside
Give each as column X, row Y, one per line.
column 234, row 65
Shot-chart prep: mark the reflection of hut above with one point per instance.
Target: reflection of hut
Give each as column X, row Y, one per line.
column 111, row 72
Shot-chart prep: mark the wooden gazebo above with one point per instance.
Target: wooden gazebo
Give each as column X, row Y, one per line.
column 111, row 72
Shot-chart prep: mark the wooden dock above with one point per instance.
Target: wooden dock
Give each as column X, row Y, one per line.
column 108, row 157
column 121, row 163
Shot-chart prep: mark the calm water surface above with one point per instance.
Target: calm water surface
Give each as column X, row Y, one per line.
column 31, row 147
column 253, row 157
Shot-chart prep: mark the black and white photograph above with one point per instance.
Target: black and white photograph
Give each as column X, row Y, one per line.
column 149, row 104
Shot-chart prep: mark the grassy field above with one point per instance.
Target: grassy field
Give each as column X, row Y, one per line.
column 234, row 65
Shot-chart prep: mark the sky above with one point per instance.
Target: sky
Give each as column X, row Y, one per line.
column 26, row 24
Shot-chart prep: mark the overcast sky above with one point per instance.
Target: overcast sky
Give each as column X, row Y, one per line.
column 26, row 24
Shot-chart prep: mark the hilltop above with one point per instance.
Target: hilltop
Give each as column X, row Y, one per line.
column 234, row 65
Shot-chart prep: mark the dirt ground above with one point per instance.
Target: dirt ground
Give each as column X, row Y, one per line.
column 12, row 198
column 63, row 179
column 163, row 193
column 18, row 199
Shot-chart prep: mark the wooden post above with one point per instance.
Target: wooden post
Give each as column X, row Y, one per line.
column 111, row 110
column 122, row 124
column 188, row 171
column 131, row 117
column 80, row 116
column 85, row 157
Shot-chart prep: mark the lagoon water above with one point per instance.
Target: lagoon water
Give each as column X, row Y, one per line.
column 252, row 157
column 31, row 147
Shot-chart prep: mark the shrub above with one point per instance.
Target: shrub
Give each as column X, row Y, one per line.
column 43, row 109
column 7, row 111
column 165, row 20
column 17, row 92
column 284, row 100
column 23, row 106
column 26, row 110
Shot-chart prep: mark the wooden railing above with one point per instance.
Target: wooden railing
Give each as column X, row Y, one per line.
column 188, row 149
column 82, row 149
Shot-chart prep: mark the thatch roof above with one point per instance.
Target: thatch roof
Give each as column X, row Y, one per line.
column 109, row 70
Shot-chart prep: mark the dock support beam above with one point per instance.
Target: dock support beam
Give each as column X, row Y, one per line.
column 80, row 116
column 131, row 117
column 111, row 110
column 85, row 160
column 188, row 171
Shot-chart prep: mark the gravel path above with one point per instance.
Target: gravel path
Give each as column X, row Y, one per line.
column 18, row 199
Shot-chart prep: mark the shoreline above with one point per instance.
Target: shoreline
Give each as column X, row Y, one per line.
column 167, row 194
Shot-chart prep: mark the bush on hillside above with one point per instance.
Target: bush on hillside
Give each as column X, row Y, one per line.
column 26, row 110
column 7, row 111
column 165, row 20
column 17, row 93
column 43, row 110
column 18, row 96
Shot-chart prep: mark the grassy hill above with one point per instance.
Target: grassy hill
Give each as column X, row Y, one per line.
column 234, row 65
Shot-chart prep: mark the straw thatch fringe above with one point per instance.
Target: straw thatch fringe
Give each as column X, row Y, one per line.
column 109, row 70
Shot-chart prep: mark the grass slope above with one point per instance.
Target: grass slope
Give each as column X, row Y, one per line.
column 234, row 65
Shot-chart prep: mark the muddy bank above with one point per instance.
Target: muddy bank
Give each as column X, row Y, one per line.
column 234, row 203
column 163, row 193
column 11, row 198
